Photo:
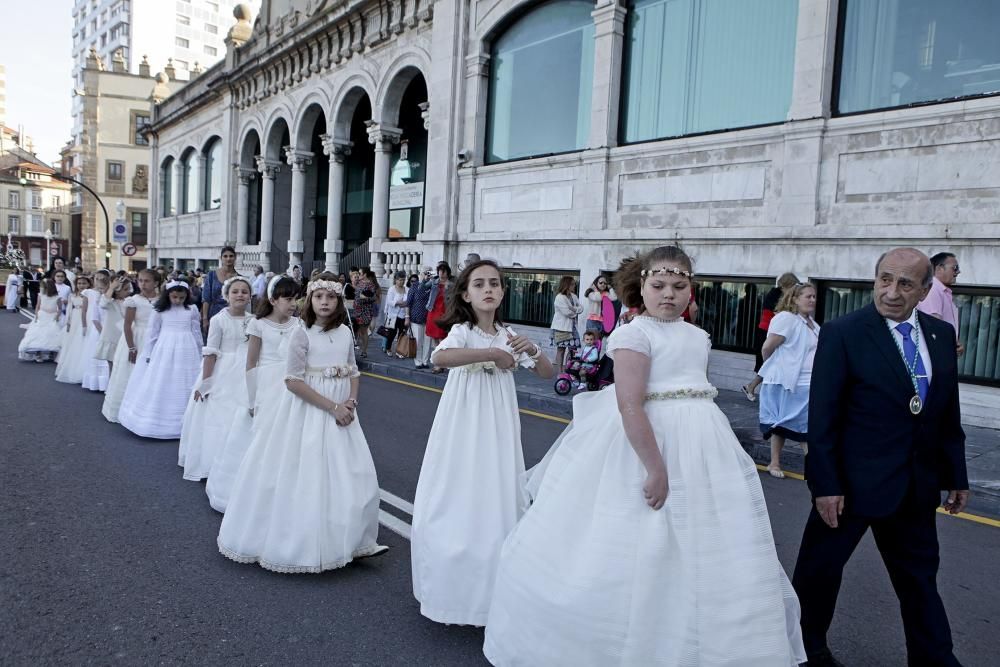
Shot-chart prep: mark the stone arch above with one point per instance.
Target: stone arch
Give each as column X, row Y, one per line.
column 351, row 91
column 249, row 148
column 305, row 125
column 307, row 114
column 399, row 75
column 272, row 146
column 499, row 16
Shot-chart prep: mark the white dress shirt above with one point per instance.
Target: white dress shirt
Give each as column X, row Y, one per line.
column 921, row 344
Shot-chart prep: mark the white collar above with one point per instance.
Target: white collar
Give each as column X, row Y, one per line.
column 912, row 319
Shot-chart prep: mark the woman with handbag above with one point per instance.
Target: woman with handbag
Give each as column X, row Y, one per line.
column 394, row 312
column 435, row 307
column 365, row 308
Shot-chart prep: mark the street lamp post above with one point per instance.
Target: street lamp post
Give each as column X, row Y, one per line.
column 107, row 220
column 120, row 211
column 48, row 248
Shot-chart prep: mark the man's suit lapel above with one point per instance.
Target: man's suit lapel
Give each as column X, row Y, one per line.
column 882, row 338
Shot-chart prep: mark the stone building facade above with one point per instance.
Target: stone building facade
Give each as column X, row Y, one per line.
column 560, row 136
column 34, row 206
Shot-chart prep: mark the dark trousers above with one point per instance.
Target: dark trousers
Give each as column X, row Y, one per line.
column 907, row 541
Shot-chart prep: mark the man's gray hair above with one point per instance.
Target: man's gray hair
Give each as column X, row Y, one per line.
column 928, row 277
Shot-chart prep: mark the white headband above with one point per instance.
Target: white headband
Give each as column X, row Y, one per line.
column 331, row 285
column 176, row 283
column 272, row 284
column 229, row 283
column 662, row 272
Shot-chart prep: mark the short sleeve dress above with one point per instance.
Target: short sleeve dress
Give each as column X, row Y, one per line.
column 121, row 368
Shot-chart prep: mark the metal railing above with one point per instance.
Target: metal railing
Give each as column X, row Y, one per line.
column 359, row 257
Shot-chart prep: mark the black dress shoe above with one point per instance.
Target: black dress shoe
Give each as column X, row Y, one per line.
column 823, row 659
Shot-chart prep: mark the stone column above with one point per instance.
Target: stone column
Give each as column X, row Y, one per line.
column 609, row 39
column 337, row 150
column 383, row 137
column 269, row 169
column 244, row 176
column 175, row 188
column 816, row 40
column 298, row 161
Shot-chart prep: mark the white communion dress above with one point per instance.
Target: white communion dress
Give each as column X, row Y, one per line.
column 11, row 298
column 121, row 370
column 164, row 375
column 468, row 496
column 306, row 496
column 96, row 371
column 111, row 335
column 592, row 576
column 44, row 336
column 268, row 381
column 71, row 363
column 207, row 422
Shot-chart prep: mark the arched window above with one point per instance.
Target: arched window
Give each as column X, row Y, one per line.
column 541, row 76
column 213, row 174
column 694, row 66
column 189, row 185
column 166, row 190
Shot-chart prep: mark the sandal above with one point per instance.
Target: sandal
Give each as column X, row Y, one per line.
column 776, row 472
column 752, row 397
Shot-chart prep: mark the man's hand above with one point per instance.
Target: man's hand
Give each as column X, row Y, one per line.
column 956, row 501
column 829, row 508
column 960, row 349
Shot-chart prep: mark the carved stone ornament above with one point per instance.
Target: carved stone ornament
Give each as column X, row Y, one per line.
column 140, row 182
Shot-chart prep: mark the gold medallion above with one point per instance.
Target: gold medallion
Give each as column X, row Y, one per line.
column 916, row 405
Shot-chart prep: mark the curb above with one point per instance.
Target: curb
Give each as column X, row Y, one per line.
column 984, row 500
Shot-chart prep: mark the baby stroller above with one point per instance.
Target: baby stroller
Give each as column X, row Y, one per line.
column 599, row 376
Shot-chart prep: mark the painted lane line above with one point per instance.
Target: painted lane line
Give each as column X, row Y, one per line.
column 396, row 501
column 397, row 526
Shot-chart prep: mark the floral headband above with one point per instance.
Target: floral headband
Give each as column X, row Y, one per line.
column 646, row 273
column 174, row 284
column 229, row 283
column 331, row 285
column 272, row 284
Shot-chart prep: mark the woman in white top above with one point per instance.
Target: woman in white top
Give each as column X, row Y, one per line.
column 788, row 359
column 10, row 296
column 566, row 309
column 394, row 312
column 600, row 311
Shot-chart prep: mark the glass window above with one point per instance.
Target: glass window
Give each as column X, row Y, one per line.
column 139, row 124
column 183, row 20
column 213, row 175
column 14, row 224
column 181, row 42
column 897, row 53
column 166, row 190
column 211, row 50
column 13, row 199
column 189, row 187
column 56, row 227
column 56, row 201
column 115, row 171
column 140, row 227
column 529, row 296
column 36, row 223
column 212, row 28
column 729, row 310
column 696, row 66
column 541, row 75
column 36, row 199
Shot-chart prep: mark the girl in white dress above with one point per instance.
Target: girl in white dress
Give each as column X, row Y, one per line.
column 648, row 542
column 268, row 335
column 113, row 304
column 71, row 362
column 42, row 340
column 138, row 309
column 10, row 297
column 65, row 291
column 220, row 397
column 306, row 496
column 96, row 371
column 469, row 492
column 168, row 367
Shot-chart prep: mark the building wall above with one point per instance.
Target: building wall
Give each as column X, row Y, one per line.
column 30, row 241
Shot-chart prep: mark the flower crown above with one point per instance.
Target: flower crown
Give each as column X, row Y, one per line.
column 646, row 273
column 331, row 285
column 229, row 282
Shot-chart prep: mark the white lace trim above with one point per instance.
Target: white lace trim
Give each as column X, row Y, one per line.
column 363, row 552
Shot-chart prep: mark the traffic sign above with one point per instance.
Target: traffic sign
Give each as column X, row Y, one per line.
column 129, row 249
column 120, row 232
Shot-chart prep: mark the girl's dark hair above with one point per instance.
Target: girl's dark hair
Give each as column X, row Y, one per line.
column 566, row 285
column 285, row 287
column 309, row 316
column 163, row 302
column 90, row 282
column 57, row 272
column 227, row 248
column 157, row 278
column 446, row 266
column 48, row 287
column 457, row 310
column 593, row 285
column 628, row 279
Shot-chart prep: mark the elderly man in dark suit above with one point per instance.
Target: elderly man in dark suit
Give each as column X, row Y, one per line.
column 885, row 438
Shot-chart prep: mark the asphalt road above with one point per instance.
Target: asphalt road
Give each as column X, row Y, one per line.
column 108, row 556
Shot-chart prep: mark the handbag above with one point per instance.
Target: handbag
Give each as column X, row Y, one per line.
column 384, row 330
column 407, row 345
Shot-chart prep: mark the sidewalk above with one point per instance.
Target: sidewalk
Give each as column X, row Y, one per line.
column 982, row 447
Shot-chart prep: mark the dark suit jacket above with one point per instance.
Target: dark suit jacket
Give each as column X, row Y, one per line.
column 863, row 442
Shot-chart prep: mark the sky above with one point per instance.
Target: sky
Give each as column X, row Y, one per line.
column 38, row 55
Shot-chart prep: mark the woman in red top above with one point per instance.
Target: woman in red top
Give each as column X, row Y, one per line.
column 435, row 307
column 786, row 282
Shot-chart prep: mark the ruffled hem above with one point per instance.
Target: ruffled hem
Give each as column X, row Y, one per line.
column 364, row 552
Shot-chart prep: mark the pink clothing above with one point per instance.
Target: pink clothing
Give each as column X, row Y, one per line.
column 939, row 302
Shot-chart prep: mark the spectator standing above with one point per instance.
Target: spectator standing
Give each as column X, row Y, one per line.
column 212, row 301
column 600, row 297
column 940, row 302
column 394, row 310
column 365, row 308
column 435, row 306
column 259, row 285
column 768, row 306
column 566, row 309
column 787, row 371
column 416, row 317
column 59, row 264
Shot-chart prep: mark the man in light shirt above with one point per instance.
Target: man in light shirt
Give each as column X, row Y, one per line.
column 939, row 302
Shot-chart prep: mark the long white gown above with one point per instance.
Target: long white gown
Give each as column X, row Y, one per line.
column 10, row 297
column 71, row 363
column 592, row 576
column 65, row 293
column 306, row 495
column 44, row 336
column 121, row 370
column 111, row 335
column 207, row 422
column 468, row 496
column 269, row 377
column 164, row 376
column 95, row 371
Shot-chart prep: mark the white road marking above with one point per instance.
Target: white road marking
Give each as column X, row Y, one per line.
column 396, row 501
column 397, row 526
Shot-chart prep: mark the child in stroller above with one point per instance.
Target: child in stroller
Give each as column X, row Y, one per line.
column 584, row 367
